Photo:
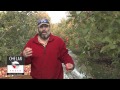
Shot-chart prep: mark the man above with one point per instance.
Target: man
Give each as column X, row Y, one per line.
column 46, row 53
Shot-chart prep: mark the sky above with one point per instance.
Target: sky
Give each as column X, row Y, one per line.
column 56, row 16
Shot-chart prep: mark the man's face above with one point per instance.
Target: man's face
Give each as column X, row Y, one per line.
column 44, row 31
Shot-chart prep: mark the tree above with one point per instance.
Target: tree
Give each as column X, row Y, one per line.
column 94, row 37
column 16, row 28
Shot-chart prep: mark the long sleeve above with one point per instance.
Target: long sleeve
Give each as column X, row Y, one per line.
column 28, row 59
column 64, row 56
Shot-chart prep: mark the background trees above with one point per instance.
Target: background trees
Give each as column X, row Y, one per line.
column 92, row 35
column 16, row 28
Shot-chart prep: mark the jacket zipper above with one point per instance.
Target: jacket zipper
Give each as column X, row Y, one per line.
column 44, row 57
column 44, row 49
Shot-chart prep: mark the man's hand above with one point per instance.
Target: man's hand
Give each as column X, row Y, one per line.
column 27, row 52
column 69, row 67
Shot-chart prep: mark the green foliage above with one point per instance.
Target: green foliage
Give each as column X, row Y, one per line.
column 16, row 28
column 94, row 36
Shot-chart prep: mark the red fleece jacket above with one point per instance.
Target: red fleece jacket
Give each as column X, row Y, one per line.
column 46, row 62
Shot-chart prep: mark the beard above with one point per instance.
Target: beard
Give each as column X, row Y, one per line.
column 44, row 36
